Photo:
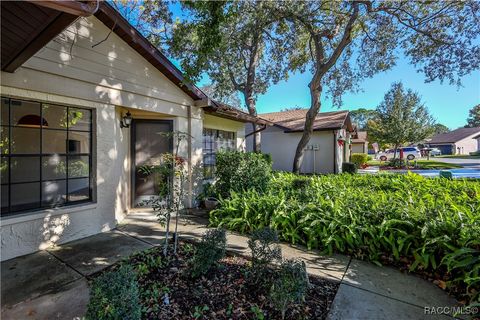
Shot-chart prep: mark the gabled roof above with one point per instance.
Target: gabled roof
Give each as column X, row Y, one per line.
column 361, row 137
column 455, row 135
column 29, row 26
column 294, row 120
column 120, row 26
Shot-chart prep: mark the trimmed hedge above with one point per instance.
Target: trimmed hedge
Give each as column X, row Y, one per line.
column 359, row 159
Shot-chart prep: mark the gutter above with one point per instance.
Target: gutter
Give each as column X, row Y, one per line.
column 256, row 131
column 76, row 8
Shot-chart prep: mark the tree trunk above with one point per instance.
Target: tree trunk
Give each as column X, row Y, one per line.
column 252, row 110
column 315, row 92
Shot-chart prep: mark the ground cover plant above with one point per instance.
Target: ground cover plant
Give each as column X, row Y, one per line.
column 149, row 285
column 429, row 226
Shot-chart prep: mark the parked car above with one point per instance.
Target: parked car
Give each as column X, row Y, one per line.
column 435, row 152
column 408, row 152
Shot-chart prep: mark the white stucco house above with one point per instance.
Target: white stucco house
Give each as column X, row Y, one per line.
column 71, row 82
column 328, row 148
column 459, row 141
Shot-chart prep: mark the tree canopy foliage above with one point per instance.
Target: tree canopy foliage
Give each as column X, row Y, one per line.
column 401, row 118
column 473, row 119
column 245, row 46
column 361, row 116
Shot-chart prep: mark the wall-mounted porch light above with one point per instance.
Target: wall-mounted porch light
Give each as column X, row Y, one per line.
column 126, row 120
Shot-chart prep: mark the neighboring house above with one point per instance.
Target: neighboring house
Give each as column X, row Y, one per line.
column 459, row 141
column 360, row 142
column 69, row 169
column 327, row 149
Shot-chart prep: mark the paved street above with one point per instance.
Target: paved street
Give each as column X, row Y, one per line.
column 473, row 163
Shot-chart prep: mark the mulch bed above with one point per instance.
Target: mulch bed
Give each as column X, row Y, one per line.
column 224, row 293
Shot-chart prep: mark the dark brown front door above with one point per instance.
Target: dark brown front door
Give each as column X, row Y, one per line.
column 148, row 145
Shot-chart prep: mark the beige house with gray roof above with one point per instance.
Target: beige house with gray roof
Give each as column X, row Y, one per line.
column 328, row 148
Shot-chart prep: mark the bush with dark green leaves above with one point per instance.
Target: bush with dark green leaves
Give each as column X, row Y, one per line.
column 359, row 159
column 265, row 250
column 238, row 171
column 263, row 244
column 290, row 285
column 115, row 296
column 349, row 167
column 209, row 251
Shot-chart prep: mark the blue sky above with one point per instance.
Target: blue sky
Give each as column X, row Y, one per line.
column 447, row 103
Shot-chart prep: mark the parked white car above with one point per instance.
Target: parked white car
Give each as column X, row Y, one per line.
column 409, row 153
column 435, row 152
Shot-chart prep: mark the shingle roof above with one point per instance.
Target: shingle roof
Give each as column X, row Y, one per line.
column 294, row 120
column 455, row 135
column 361, row 137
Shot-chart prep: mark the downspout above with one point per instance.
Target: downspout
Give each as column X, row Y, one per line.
column 189, row 153
column 256, row 131
column 334, row 151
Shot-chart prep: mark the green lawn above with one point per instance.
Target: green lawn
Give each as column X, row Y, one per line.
column 422, row 164
column 459, row 156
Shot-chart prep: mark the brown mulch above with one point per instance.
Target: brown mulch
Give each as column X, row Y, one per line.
column 224, row 293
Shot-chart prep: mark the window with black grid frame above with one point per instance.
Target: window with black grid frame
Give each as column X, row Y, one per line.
column 46, row 155
column 213, row 141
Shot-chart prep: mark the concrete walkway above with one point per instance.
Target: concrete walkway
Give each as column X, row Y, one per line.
column 52, row 284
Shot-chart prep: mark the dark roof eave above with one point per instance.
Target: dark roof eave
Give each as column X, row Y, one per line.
column 314, row 130
column 235, row 115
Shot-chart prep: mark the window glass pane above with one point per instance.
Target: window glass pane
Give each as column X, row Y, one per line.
column 78, row 142
column 55, row 116
column 26, row 113
column 25, row 169
column 79, row 119
column 78, row 189
column 25, row 196
column 4, row 170
column 54, row 141
column 78, row 166
column 54, row 193
column 25, row 140
column 4, row 198
column 4, row 140
column 4, row 111
column 54, row 167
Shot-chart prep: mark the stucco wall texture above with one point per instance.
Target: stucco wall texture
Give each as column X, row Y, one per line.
column 108, row 78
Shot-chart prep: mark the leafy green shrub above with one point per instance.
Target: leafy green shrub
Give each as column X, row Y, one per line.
column 369, row 158
column 349, row 167
column 395, row 216
column 238, row 171
column 209, row 251
column 290, row 285
column 265, row 250
column 397, row 163
column 264, row 247
column 301, row 183
column 359, row 159
column 115, row 295
column 464, row 264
